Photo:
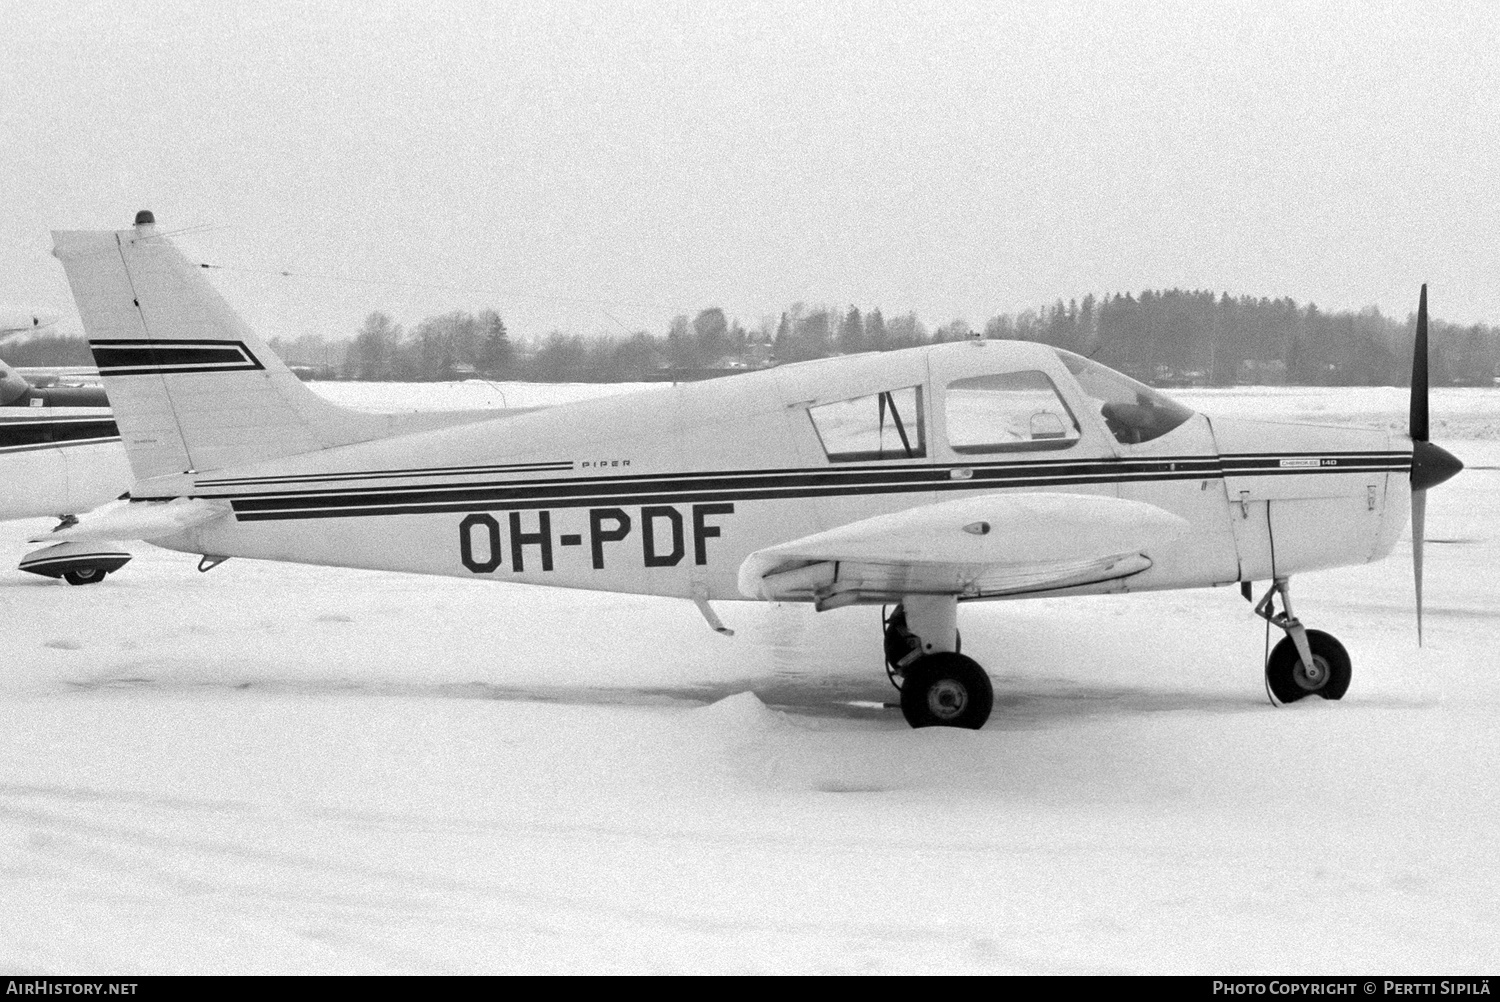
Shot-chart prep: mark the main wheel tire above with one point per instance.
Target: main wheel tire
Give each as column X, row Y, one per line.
column 900, row 641
column 1290, row 680
column 946, row 690
column 87, row 575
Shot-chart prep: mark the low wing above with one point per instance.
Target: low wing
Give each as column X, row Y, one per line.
column 991, row 545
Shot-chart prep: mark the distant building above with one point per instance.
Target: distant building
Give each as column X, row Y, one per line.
column 758, row 355
column 1165, row 375
column 1259, row 372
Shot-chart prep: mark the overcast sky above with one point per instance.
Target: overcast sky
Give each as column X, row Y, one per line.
column 570, row 163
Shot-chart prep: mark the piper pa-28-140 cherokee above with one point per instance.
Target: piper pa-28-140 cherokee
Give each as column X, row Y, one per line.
column 918, row 478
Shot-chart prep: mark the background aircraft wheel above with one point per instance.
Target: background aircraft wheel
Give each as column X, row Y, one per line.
column 899, row 641
column 1290, row 680
column 90, row 575
column 946, row 690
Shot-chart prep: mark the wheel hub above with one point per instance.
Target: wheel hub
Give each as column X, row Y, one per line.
column 1311, row 677
column 947, row 698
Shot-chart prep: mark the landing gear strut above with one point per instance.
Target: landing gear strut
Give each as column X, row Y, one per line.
column 939, row 686
column 1305, row 662
column 902, row 646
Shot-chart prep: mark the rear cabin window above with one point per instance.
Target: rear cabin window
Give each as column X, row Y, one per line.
column 884, row 425
column 1007, row 412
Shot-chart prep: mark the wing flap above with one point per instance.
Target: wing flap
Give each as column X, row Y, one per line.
column 988, row 545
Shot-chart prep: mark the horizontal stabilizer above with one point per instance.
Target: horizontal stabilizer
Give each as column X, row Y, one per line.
column 139, row 520
column 974, row 546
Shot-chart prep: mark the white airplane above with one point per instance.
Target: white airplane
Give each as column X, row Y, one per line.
column 919, row 478
column 60, row 454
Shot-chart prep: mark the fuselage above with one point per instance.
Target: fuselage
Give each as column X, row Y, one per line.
column 668, row 491
column 60, row 451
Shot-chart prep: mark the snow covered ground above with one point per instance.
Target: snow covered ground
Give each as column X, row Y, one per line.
column 282, row 769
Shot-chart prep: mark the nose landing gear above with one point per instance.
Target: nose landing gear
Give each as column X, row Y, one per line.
column 939, row 686
column 1305, row 662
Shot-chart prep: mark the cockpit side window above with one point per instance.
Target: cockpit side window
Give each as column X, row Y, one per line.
column 1007, row 412
column 886, row 425
column 1133, row 411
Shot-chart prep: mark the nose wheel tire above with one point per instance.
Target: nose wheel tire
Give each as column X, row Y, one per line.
column 1328, row 676
column 88, row 575
column 946, row 690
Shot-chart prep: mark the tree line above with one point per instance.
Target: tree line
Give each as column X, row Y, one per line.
column 1166, row 337
column 1172, row 336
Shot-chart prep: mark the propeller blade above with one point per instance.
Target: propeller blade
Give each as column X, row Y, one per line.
column 1418, row 537
column 1430, row 464
column 1417, row 420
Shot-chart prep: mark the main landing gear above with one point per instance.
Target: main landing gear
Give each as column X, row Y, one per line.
column 75, row 563
column 1305, row 662
column 939, row 686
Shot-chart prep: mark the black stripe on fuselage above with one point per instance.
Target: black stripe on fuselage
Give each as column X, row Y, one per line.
column 12, row 450
column 310, row 478
column 46, row 431
column 146, row 357
column 1304, row 463
column 1214, row 465
column 861, row 475
column 1238, row 464
column 1171, row 467
column 750, row 486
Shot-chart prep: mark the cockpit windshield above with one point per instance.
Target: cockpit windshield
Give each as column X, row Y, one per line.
column 1134, row 412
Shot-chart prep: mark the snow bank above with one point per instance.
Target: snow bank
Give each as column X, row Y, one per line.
column 741, row 715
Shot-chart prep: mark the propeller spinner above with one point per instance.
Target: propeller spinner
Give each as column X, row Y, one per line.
column 1430, row 464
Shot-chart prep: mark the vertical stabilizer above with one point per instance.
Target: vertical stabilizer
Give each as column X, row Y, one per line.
column 192, row 387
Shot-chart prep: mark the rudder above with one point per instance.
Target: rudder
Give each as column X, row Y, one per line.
column 192, row 386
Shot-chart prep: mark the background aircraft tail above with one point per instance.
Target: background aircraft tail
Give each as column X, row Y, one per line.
column 192, row 387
